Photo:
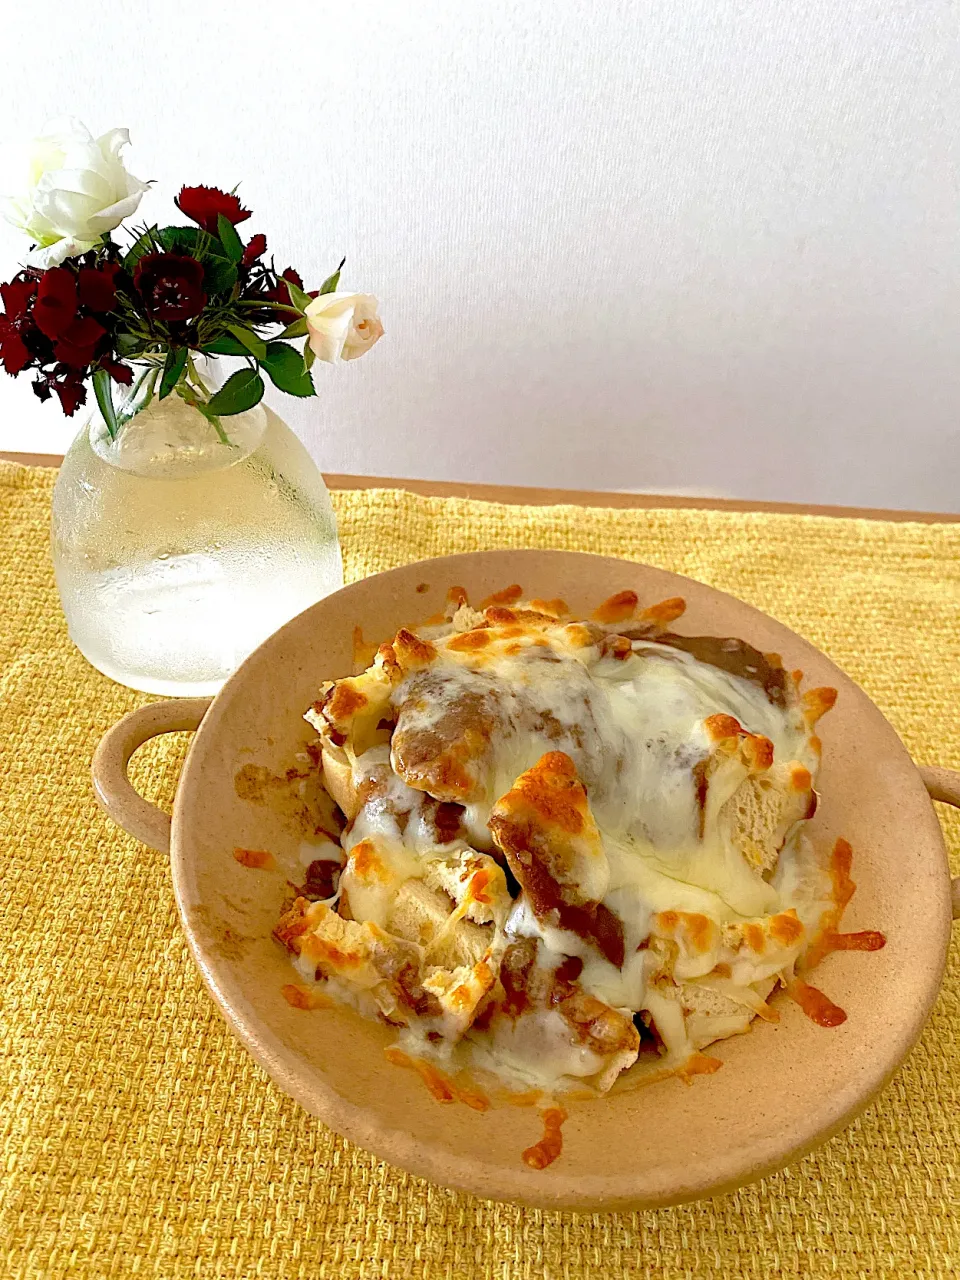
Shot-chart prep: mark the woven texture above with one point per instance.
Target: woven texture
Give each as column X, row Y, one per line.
column 138, row 1139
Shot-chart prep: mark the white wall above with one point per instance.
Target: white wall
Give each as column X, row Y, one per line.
column 703, row 245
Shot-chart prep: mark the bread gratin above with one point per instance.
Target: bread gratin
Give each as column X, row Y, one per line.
column 249, row 821
column 567, row 850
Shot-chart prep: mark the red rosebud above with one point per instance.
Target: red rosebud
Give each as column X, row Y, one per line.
column 118, row 372
column 204, row 204
column 254, row 250
column 294, row 278
column 72, row 394
column 171, row 285
column 56, row 303
column 97, row 288
column 17, row 296
column 76, row 347
column 13, row 353
column 281, row 295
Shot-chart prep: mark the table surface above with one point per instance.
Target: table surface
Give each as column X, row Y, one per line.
column 137, row 1134
column 517, row 494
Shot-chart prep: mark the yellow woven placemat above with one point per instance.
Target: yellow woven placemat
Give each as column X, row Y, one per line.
column 138, row 1139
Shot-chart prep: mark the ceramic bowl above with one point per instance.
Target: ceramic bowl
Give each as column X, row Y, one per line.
column 783, row 1088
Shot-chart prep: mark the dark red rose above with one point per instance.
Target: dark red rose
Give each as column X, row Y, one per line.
column 17, row 296
column 204, row 204
column 171, row 285
column 56, row 303
column 76, row 347
column 97, row 288
column 118, row 372
column 13, row 352
column 256, row 248
column 18, row 334
column 41, row 388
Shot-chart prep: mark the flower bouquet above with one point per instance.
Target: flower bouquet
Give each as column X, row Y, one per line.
column 188, row 520
column 87, row 310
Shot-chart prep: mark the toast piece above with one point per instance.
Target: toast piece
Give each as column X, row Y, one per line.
column 337, row 773
column 769, row 798
column 603, row 1030
column 476, row 884
column 758, row 817
column 459, row 992
column 423, row 915
column 362, row 956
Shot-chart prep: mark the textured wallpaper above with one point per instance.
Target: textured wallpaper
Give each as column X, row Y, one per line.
column 702, row 245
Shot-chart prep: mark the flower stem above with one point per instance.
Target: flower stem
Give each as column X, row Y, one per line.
column 215, row 422
column 193, row 391
column 124, row 418
column 193, row 377
column 151, row 386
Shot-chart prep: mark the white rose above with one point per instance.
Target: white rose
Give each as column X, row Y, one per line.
column 78, row 188
column 343, row 326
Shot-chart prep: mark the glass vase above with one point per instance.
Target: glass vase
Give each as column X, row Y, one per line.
column 180, row 545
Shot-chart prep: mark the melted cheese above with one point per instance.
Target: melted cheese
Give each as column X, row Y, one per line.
column 634, row 730
column 650, row 734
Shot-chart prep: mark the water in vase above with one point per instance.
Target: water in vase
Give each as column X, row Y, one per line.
column 176, row 555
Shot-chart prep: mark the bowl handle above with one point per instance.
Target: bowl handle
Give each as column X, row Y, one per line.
column 944, row 784
column 113, row 788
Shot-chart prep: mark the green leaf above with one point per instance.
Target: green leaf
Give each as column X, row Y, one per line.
column 184, row 240
column 145, row 243
column 219, row 275
column 229, row 238
column 173, row 367
column 330, row 284
column 225, row 347
column 286, row 369
column 102, row 390
column 299, row 299
column 240, row 392
column 248, row 339
column 309, row 355
column 127, row 344
column 296, row 330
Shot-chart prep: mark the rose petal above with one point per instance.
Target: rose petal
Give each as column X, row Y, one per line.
column 256, row 248
column 52, row 255
column 85, row 181
column 112, row 142
column 72, row 394
column 68, row 212
column 13, row 353
column 56, row 303
column 17, row 296
column 111, row 217
column 96, row 287
column 364, row 335
column 121, row 373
